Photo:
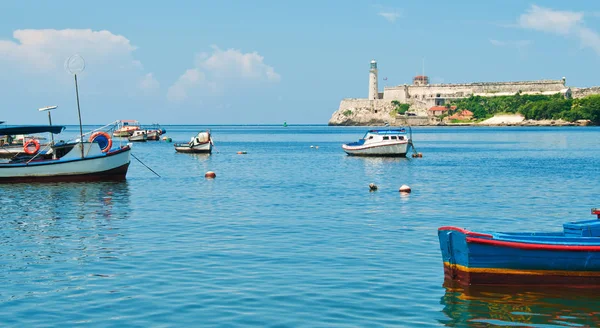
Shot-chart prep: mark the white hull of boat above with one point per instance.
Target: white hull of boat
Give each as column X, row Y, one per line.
column 138, row 138
column 110, row 166
column 378, row 149
column 202, row 148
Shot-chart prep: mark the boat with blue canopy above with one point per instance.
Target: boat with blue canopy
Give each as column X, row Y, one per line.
column 15, row 140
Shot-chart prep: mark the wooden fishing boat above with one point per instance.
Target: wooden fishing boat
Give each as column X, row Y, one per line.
column 570, row 257
column 94, row 159
column 152, row 135
column 201, row 143
column 386, row 142
column 154, row 132
column 76, row 160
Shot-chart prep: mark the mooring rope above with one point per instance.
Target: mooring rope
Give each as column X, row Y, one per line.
column 132, row 155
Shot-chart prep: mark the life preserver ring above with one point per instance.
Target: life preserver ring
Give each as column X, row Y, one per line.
column 103, row 139
column 28, row 143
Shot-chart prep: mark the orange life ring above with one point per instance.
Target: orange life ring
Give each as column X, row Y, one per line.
column 26, row 147
column 108, row 144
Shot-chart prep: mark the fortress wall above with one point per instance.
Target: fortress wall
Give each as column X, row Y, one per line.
column 584, row 92
column 531, row 86
column 466, row 89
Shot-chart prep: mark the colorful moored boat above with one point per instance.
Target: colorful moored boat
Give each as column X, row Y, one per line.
column 568, row 258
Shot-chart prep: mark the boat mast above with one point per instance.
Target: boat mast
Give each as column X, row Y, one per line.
column 75, row 64
column 79, row 113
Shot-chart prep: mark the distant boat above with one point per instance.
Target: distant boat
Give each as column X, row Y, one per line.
column 154, row 132
column 126, row 128
column 385, row 142
column 570, row 257
column 138, row 135
column 200, row 143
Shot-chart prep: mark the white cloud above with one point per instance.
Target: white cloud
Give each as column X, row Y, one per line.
column 213, row 73
column 391, row 16
column 548, row 20
column 565, row 23
column 148, row 83
column 46, row 50
column 34, row 60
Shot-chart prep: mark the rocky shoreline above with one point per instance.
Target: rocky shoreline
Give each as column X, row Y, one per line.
column 498, row 120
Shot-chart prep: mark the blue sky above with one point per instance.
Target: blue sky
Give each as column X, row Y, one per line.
column 265, row 62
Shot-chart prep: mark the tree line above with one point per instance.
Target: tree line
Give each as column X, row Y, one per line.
column 533, row 107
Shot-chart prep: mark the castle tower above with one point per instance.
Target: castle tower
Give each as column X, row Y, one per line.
column 373, row 90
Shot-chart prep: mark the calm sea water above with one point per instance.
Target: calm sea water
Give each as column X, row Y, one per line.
column 289, row 235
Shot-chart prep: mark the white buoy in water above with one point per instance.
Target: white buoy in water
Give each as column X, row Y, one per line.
column 404, row 188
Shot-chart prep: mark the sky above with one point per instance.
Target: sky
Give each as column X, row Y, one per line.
column 266, row 62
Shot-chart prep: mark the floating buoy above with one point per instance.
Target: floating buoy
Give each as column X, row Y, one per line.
column 404, row 189
column 311, row 146
column 169, row 139
column 210, row 175
column 241, row 152
column 372, row 187
column 316, row 147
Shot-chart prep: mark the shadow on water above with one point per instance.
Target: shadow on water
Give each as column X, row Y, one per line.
column 522, row 306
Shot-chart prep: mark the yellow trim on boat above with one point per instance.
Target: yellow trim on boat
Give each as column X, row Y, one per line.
column 523, row 272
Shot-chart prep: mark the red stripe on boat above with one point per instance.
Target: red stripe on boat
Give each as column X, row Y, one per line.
column 466, row 232
column 547, row 247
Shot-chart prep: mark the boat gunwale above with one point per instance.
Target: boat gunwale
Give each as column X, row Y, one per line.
column 59, row 161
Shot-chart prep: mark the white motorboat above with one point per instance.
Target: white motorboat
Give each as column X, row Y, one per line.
column 385, row 142
column 138, row 135
column 201, row 143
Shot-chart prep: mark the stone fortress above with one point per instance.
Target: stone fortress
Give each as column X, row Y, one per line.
column 378, row 109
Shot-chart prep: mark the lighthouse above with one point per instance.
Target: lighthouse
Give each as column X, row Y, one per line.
column 373, row 91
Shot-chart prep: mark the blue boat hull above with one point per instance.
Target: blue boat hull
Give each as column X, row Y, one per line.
column 472, row 258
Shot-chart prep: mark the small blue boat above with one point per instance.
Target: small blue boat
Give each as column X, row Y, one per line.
column 567, row 258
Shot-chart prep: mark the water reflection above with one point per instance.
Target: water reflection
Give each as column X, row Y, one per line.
column 484, row 306
column 51, row 234
column 65, row 200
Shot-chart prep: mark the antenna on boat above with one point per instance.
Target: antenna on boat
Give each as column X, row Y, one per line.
column 47, row 109
column 75, row 64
